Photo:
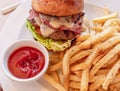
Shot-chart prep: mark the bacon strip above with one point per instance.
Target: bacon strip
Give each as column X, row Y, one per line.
column 76, row 19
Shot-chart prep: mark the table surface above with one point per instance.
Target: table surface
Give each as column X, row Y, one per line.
column 5, row 3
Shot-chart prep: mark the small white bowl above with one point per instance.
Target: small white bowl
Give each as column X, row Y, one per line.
column 17, row 45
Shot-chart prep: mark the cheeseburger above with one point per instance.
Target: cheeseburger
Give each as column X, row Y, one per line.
column 55, row 23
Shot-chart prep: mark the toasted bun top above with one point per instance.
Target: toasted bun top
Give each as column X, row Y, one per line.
column 58, row 7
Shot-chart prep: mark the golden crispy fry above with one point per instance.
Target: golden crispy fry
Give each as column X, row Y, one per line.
column 54, row 61
column 75, row 90
column 111, row 75
column 60, row 75
column 103, row 19
column 75, row 78
column 100, row 89
column 54, row 75
column 98, row 58
column 102, row 54
column 66, row 82
column 109, row 67
column 82, row 37
column 114, row 87
column 110, row 42
column 77, row 73
column 84, row 45
column 97, row 28
column 54, row 55
column 105, row 59
column 50, row 80
column 116, row 79
column 103, row 72
column 55, row 66
column 94, row 86
column 111, row 61
column 90, row 59
column 85, row 73
column 95, row 78
column 91, row 80
column 111, row 23
column 84, row 80
column 75, row 85
column 81, row 66
column 80, row 55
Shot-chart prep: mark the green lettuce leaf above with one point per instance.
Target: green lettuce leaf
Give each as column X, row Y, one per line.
column 50, row 44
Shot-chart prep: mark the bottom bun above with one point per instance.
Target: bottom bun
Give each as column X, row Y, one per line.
column 49, row 43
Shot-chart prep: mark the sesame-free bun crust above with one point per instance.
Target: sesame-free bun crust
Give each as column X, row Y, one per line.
column 58, row 7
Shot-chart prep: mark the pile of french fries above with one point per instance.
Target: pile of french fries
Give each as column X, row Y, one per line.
column 93, row 63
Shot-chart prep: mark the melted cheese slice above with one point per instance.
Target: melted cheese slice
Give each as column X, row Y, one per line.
column 46, row 31
column 56, row 23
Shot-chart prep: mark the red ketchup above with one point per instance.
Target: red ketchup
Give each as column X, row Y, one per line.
column 26, row 62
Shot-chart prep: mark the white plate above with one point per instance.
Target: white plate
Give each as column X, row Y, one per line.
column 13, row 30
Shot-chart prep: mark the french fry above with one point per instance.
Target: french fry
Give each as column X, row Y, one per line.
column 94, row 86
column 82, row 37
column 55, row 66
column 75, row 90
column 54, row 55
column 50, row 80
column 84, row 45
column 97, row 28
column 55, row 76
column 95, row 78
column 75, row 78
column 77, row 73
column 81, row 66
column 91, row 80
column 116, row 79
column 100, row 89
column 109, row 67
column 54, row 61
column 110, row 42
column 90, row 61
column 80, row 55
column 75, row 85
column 105, row 59
column 111, row 61
column 102, row 19
column 111, row 23
column 103, row 72
column 114, row 87
column 111, row 75
column 103, row 54
column 98, row 58
column 60, row 75
column 85, row 73
column 66, row 83
column 84, row 80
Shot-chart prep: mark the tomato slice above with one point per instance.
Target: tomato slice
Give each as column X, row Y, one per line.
column 38, row 30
